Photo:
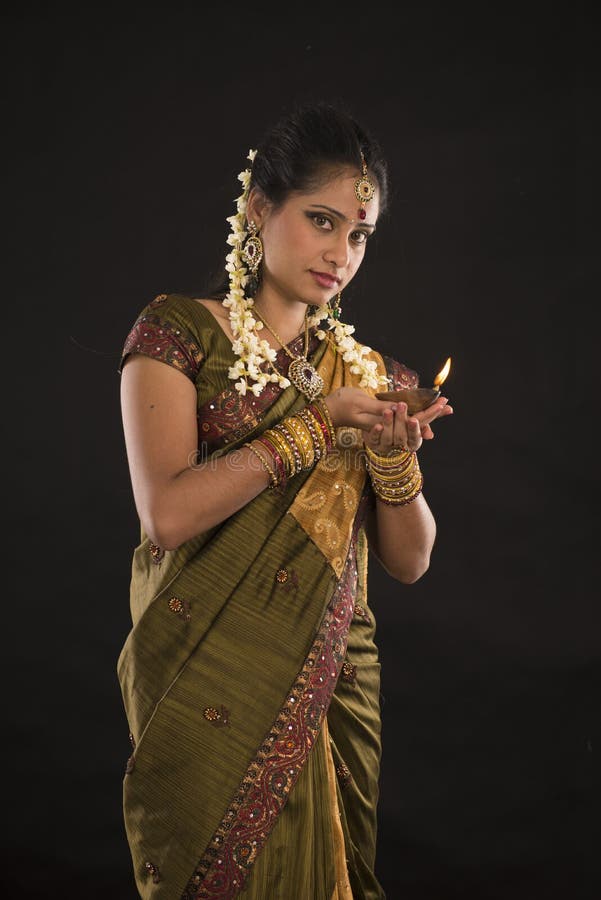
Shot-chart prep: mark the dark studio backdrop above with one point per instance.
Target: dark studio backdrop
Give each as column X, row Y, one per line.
column 125, row 133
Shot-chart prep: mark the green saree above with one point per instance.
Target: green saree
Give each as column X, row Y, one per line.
column 250, row 674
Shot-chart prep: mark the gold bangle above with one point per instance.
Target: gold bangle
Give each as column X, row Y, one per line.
column 273, row 480
column 396, row 485
column 317, row 435
column 303, row 438
column 323, row 409
column 287, row 434
column 397, row 471
column 400, row 499
column 283, row 448
column 391, row 460
column 298, row 440
column 391, row 476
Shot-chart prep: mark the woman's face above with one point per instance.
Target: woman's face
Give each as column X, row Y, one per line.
column 315, row 242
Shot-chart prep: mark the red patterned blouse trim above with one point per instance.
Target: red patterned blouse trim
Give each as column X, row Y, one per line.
column 229, row 416
column 154, row 336
column 399, row 375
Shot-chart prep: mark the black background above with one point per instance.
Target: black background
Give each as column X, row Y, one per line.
column 124, row 133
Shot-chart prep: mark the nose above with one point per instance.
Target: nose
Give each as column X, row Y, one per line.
column 337, row 252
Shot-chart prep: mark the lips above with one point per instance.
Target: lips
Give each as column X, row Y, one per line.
column 325, row 280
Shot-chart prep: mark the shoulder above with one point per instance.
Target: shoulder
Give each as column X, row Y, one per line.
column 179, row 307
column 169, row 328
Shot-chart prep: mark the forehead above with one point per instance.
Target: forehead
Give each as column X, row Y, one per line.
column 338, row 191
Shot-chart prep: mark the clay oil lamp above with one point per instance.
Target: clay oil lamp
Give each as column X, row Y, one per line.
column 418, row 399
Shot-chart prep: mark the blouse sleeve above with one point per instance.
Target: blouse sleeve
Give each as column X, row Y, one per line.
column 399, row 375
column 162, row 331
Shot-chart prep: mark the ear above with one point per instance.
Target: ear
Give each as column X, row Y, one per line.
column 257, row 207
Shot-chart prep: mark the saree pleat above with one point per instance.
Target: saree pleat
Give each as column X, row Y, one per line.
column 251, row 675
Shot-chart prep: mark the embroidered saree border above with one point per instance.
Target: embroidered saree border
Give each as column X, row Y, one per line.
column 252, row 814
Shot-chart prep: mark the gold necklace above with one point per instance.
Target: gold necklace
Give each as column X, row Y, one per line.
column 301, row 373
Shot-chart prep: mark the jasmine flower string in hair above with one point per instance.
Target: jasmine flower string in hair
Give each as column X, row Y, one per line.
column 253, row 352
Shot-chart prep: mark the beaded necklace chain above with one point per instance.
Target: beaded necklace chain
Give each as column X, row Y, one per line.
column 301, row 373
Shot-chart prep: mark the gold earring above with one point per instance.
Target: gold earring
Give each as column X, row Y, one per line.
column 252, row 252
column 336, row 310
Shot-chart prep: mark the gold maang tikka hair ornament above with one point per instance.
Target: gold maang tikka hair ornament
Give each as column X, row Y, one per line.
column 364, row 188
column 249, row 369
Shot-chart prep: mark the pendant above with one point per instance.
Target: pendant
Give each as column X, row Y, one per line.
column 304, row 377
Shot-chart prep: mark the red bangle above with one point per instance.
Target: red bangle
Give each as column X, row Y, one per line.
column 324, row 425
column 277, row 459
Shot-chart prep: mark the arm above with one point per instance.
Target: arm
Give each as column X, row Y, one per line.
column 174, row 500
column 401, row 538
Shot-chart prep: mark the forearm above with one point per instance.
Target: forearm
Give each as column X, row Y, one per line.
column 200, row 497
column 402, row 538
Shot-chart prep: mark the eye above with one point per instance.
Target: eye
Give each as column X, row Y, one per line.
column 359, row 237
column 321, row 221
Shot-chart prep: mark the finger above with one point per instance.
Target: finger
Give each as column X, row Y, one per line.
column 387, row 434
column 433, row 412
column 446, row 411
column 400, row 435
column 414, row 434
column 368, row 419
column 373, row 437
column 427, row 433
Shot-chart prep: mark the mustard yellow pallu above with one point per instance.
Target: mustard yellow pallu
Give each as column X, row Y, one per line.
column 250, row 678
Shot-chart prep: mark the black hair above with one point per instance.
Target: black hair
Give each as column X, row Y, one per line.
column 304, row 149
column 301, row 150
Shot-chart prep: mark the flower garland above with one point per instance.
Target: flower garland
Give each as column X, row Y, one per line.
column 252, row 351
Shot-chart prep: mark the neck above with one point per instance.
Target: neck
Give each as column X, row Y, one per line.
column 286, row 317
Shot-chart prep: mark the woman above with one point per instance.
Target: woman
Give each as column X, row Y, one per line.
column 262, row 467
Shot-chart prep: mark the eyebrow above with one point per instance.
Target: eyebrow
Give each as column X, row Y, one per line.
column 341, row 216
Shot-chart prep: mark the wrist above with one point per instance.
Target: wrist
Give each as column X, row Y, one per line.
column 396, row 478
column 330, row 405
column 294, row 444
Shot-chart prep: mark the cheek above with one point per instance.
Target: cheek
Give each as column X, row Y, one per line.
column 357, row 258
column 282, row 244
column 289, row 244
